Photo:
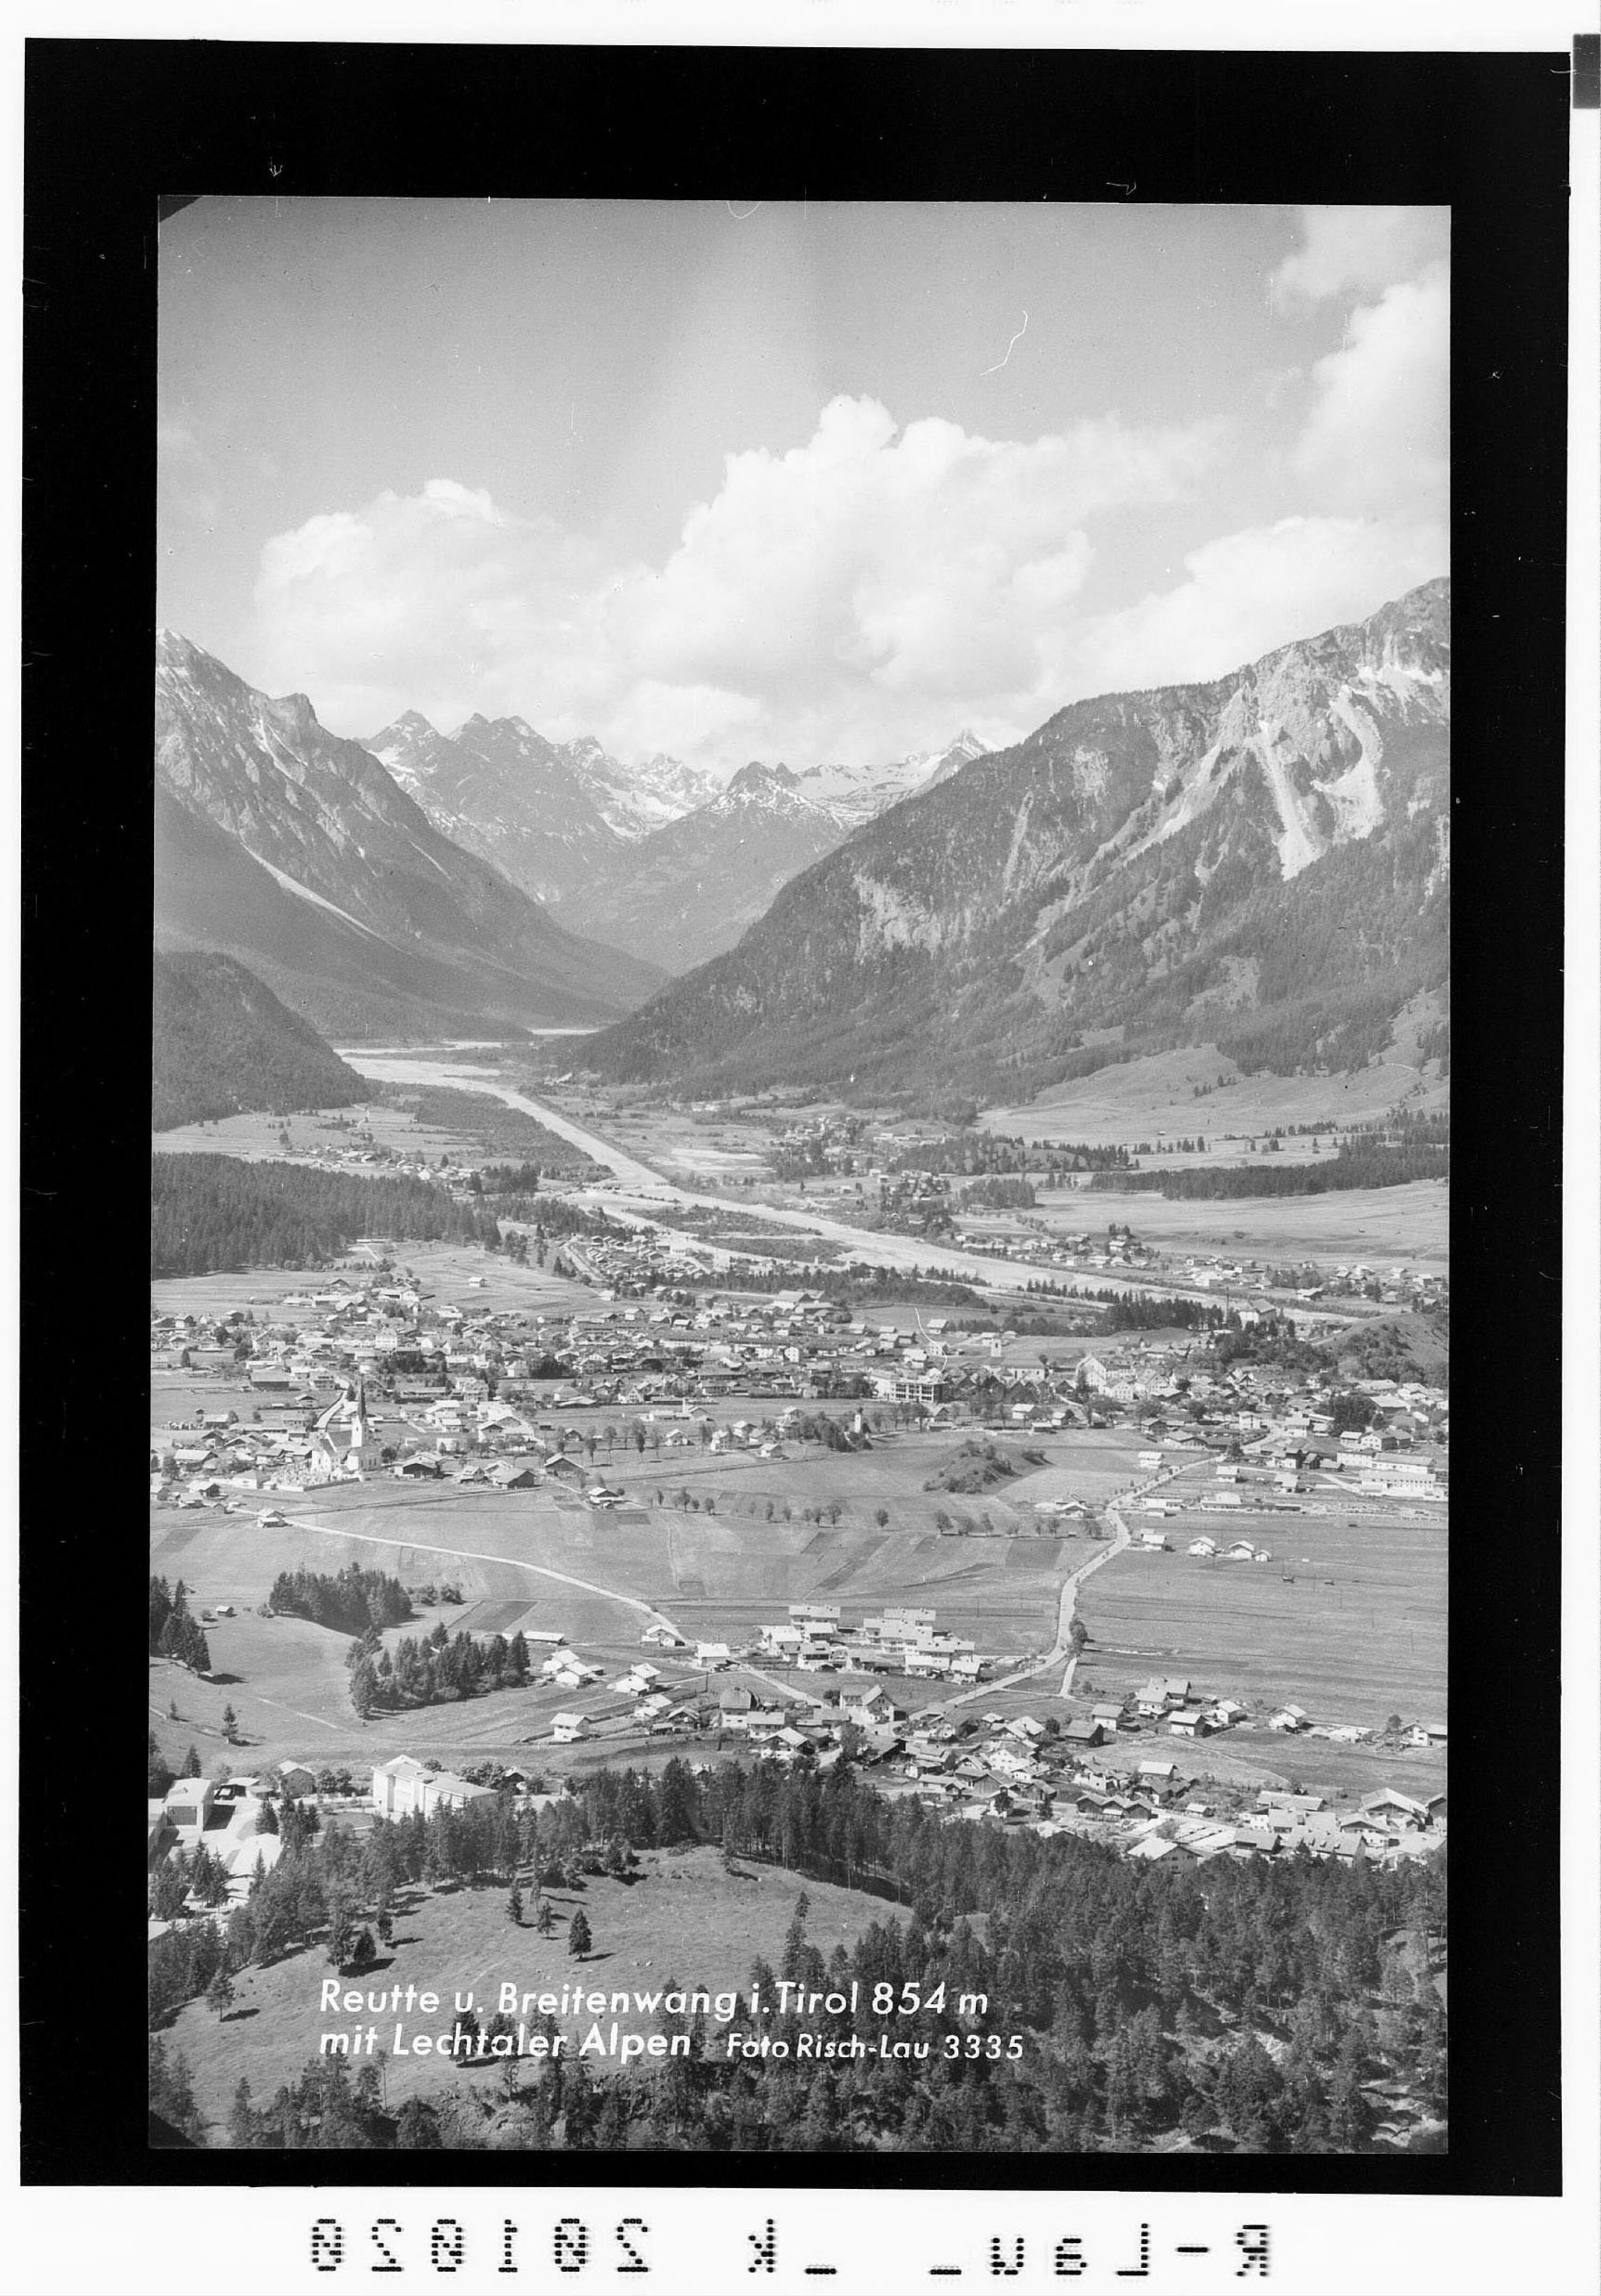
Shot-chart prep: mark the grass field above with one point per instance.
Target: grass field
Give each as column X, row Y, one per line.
column 258, row 1134
column 1135, row 1100
column 717, row 1577
column 443, row 1270
column 684, row 1918
column 1347, row 1623
column 1376, row 1225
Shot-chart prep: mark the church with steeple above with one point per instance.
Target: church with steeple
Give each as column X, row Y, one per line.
column 344, row 1444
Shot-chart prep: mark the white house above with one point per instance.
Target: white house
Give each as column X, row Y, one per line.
column 189, row 1804
column 404, row 1785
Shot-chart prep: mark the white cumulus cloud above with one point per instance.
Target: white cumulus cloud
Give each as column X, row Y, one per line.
column 1245, row 594
column 856, row 597
column 839, row 601
column 1362, row 248
column 438, row 601
column 1378, row 440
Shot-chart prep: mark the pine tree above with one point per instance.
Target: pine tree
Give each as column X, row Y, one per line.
column 579, row 1939
column 417, row 2130
column 219, row 1993
column 514, row 1905
column 341, row 1934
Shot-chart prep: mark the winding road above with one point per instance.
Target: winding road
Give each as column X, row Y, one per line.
column 1062, row 1647
column 432, row 1546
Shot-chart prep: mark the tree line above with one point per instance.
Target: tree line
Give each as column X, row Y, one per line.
column 351, row 1599
column 433, row 1669
column 969, row 1153
column 175, row 1632
column 216, row 1212
column 1144, row 1999
column 1360, row 1163
column 493, row 1125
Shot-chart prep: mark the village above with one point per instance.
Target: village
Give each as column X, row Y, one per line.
column 460, row 1389
column 1019, row 1772
column 371, row 1376
column 672, row 1383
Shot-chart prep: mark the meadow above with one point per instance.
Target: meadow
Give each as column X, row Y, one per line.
column 718, row 1576
column 1378, row 1226
column 458, row 1274
column 1347, row 1620
column 1137, row 1100
column 257, row 1134
column 682, row 1918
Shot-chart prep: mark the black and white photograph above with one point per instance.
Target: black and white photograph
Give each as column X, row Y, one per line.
column 799, row 1279
column 768, row 734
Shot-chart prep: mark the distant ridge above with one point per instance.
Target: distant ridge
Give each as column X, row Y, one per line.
column 223, row 1043
column 661, row 860
column 294, row 851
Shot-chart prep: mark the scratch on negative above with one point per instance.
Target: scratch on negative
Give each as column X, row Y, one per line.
column 1011, row 347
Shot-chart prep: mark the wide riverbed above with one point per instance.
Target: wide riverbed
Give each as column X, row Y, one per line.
column 641, row 1187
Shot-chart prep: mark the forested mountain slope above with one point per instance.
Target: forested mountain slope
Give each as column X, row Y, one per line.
column 222, row 1042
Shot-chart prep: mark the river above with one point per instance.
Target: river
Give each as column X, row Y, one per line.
column 656, row 1197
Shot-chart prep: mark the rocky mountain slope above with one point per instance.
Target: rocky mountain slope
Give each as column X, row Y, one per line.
column 690, row 889
column 1263, row 862
column 221, row 1042
column 855, row 794
column 294, row 850
column 658, row 859
column 503, row 792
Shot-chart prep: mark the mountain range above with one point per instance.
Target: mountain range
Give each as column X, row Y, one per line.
column 661, row 859
column 295, row 851
column 1261, row 862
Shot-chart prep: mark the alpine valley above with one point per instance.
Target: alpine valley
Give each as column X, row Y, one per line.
column 661, row 859
column 295, row 852
column 1261, row 863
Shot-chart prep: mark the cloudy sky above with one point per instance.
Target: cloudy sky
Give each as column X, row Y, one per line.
column 820, row 482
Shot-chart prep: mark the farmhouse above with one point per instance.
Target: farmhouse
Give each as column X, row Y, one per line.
column 1161, row 1691
column 567, row 1729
